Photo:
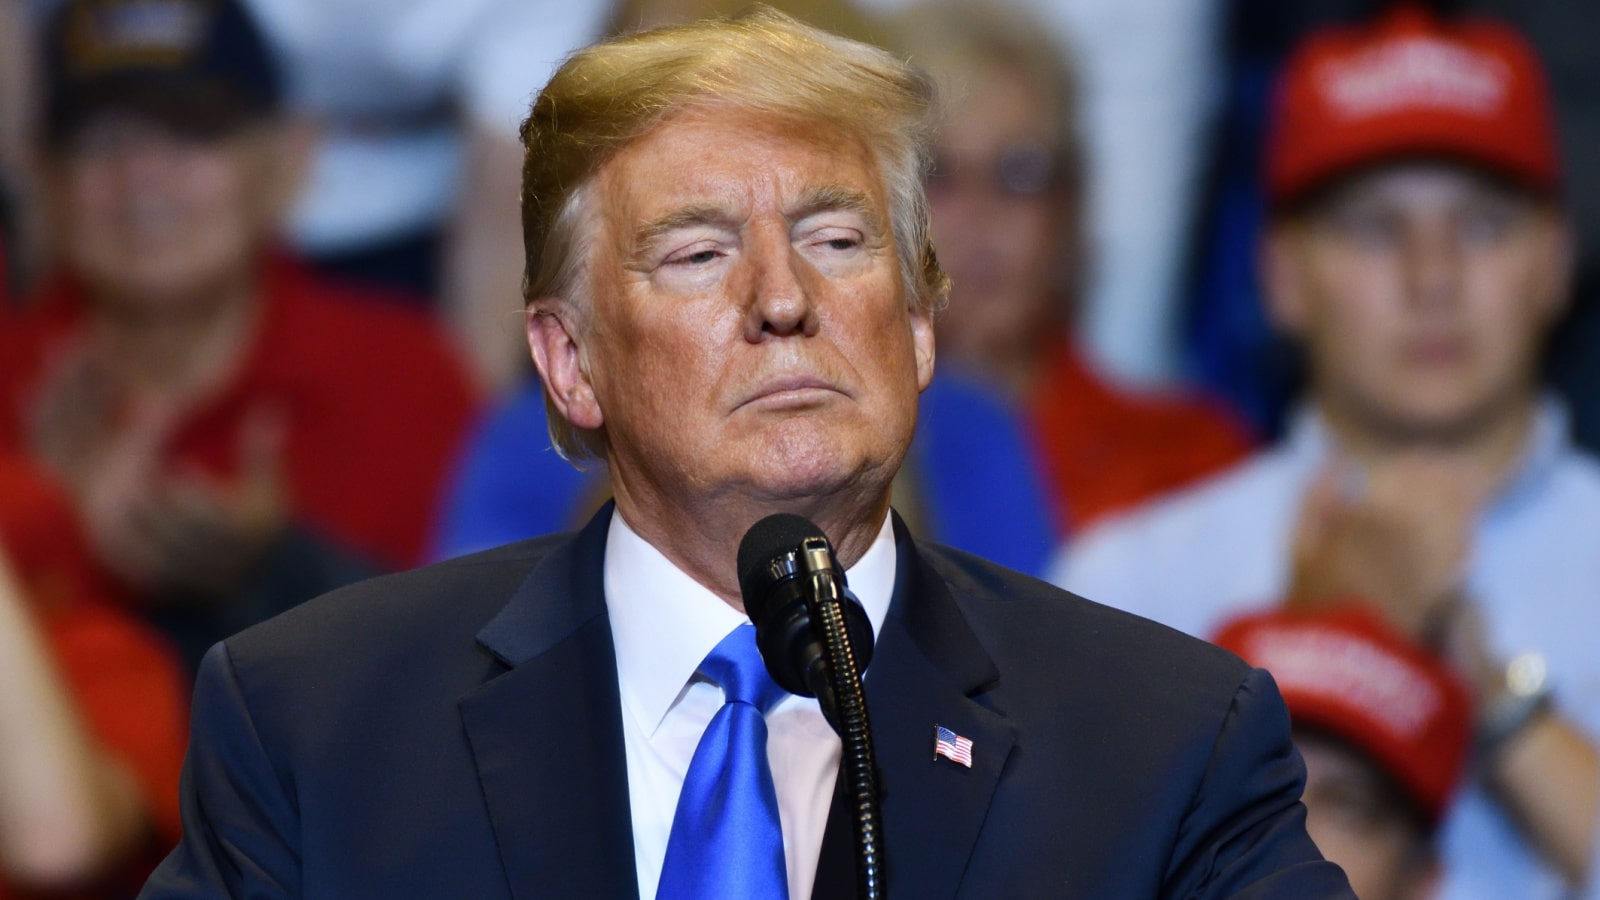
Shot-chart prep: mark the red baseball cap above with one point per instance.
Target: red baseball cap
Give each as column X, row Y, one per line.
column 1346, row 672
column 1410, row 84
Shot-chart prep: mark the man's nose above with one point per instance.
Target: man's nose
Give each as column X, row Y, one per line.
column 140, row 154
column 781, row 302
column 1433, row 266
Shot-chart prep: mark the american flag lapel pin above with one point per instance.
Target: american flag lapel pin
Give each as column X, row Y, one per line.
column 951, row 746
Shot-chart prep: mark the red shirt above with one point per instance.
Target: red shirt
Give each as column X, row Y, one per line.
column 130, row 691
column 374, row 400
column 1105, row 450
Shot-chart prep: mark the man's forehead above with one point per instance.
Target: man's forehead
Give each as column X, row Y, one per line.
column 704, row 165
column 1423, row 181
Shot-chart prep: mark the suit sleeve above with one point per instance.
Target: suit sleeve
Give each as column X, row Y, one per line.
column 1244, row 834
column 240, row 822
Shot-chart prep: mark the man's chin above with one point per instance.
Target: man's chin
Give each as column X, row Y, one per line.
column 789, row 486
column 798, row 481
column 1441, row 420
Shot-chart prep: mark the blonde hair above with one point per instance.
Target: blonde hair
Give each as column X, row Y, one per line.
column 608, row 95
column 841, row 17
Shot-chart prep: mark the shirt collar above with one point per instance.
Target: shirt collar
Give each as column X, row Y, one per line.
column 663, row 622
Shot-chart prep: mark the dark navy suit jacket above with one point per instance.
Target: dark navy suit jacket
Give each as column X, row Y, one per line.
column 455, row 732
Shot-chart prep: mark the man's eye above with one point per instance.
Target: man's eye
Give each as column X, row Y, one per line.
column 1367, row 228
column 1486, row 225
column 697, row 258
column 836, row 240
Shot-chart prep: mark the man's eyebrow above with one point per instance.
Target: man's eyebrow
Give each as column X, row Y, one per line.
column 684, row 217
column 824, row 198
column 837, row 198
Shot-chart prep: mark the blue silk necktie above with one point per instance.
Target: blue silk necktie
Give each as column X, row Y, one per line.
column 726, row 841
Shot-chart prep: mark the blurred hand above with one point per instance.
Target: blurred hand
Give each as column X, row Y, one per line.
column 184, row 533
column 74, row 416
column 1463, row 641
column 1397, row 536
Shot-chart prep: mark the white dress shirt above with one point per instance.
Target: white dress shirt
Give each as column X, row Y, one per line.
column 663, row 624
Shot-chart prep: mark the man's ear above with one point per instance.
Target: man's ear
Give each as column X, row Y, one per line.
column 1279, row 260
column 923, row 345
column 1553, row 292
column 558, row 354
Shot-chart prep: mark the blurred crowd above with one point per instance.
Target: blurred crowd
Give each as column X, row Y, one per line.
column 1274, row 322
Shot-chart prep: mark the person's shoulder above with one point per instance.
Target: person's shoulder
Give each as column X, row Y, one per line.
column 416, row 614
column 341, row 317
column 1015, row 610
column 33, row 328
column 365, row 350
column 1184, row 736
column 1578, row 471
column 1191, row 557
column 1227, row 500
column 1154, row 417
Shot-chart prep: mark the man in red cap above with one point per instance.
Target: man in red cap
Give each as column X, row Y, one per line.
column 1419, row 252
column 1385, row 727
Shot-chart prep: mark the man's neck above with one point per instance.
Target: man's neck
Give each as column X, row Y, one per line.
column 1493, row 446
column 704, row 543
column 171, row 350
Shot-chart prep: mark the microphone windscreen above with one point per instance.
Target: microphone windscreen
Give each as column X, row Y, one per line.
column 766, row 540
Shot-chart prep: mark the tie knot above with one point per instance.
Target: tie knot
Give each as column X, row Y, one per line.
column 735, row 664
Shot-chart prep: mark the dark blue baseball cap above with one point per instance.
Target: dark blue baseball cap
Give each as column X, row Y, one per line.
column 199, row 66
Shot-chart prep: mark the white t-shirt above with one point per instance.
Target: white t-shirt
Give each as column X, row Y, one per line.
column 1205, row 555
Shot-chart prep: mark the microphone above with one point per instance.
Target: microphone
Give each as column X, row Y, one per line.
column 815, row 639
column 786, row 569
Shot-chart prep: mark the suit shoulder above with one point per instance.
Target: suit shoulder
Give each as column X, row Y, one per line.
column 398, row 611
column 1011, row 609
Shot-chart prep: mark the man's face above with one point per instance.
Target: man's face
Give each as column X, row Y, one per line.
column 998, row 217
column 750, row 331
column 1356, row 821
column 152, row 217
column 1421, row 293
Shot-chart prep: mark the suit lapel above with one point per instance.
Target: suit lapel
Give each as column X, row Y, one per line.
column 927, row 669
column 560, row 815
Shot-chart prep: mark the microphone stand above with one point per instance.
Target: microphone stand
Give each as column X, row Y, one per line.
column 845, row 705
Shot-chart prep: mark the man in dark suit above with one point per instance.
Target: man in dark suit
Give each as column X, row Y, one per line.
column 730, row 293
